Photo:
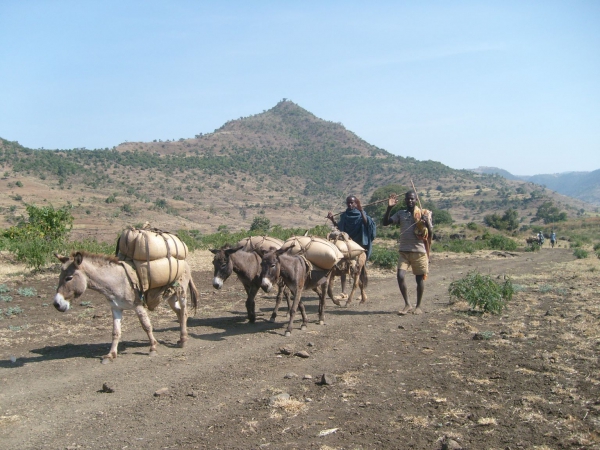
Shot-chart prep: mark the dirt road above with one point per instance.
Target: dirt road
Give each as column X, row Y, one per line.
column 423, row 382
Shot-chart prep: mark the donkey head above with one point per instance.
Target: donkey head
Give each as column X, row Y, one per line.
column 72, row 282
column 223, row 266
column 270, row 268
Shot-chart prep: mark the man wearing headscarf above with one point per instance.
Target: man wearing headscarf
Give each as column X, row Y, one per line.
column 359, row 226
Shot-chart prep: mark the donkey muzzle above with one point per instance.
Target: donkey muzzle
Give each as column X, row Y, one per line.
column 60, row 303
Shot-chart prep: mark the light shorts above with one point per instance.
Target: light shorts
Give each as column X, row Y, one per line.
column 418, row 261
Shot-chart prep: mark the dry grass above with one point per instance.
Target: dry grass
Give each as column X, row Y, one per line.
column 291, row 406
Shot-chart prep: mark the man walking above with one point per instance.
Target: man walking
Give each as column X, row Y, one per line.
column 359, row 226
column 412, row 248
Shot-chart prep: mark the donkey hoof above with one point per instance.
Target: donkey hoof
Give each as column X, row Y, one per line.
column 152, row 353
column 321, row 322
column 180, row 344
column 272, row 320
column 107, row 359
column 303, row 327
column 288, row 333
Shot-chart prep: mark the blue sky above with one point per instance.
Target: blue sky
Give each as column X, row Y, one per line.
column 509, row 84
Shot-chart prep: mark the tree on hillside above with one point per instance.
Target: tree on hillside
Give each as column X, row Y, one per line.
column 509, row 221
column 260, row 224
column 550, row 213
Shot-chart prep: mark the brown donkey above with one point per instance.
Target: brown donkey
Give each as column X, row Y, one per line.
column 246, row 265
column 106, row 275
column 297, row 275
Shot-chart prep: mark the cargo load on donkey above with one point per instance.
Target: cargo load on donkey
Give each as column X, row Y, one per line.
column 156, row 257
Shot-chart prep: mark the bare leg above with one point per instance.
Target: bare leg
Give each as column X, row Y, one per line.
column 147, row 326
column 401, row 276
column 420, row 291
column 117, row 315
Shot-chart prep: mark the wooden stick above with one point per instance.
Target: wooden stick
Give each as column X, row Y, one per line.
column 364, row 206
column 416, row 194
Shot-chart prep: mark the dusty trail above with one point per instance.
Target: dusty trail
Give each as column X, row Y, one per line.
column 402, row 382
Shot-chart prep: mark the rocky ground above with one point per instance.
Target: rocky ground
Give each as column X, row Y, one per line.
column 450, row 378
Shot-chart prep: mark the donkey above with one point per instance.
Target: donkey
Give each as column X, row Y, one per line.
column 246, row 266
column 106, row 275
column 357, row 269
column 297, row 276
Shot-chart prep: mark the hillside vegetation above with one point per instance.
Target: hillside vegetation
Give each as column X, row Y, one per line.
column 284, row 164
column 584, row 186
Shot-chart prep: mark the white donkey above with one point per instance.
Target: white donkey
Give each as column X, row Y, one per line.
column 108, row 276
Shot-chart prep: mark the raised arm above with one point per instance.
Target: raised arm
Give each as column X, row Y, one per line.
column 392, row 201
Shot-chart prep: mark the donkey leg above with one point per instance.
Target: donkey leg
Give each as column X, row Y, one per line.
column 322, row 305
column 117, row 315
column 147, row 326
column 330, row 293
column 173, row 302
column 304, row 316
column 278, row 299
column 354, row 286
column 183, row 336
column 251, row 304
column 297, row 303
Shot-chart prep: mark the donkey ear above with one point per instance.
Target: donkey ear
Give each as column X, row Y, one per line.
column 284, row 249
column 229, row 251
column 78, row 259
column 62, row 259
column 214, row 250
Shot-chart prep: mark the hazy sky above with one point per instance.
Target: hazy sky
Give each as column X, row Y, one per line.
column 511, row 84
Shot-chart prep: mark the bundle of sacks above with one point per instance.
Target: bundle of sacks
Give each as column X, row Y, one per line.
column 349, row 248
column 157, row 255
column 260, row 243
column 318, row 251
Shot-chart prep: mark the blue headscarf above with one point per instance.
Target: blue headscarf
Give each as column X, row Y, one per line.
column 352, row 223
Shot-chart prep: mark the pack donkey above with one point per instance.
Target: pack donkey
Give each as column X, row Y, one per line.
column 108, row 276
column 298, row 274
column 246, row 265
column 356, row 268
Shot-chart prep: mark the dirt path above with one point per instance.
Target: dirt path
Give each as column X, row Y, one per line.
column 400, row 382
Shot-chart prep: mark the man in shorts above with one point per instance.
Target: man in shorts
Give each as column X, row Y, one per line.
column 412, row 248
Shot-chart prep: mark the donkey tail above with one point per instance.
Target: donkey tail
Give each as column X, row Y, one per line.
column 364, row 278
column 193, row 294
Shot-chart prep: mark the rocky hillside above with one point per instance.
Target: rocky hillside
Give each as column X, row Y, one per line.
column 285, row 164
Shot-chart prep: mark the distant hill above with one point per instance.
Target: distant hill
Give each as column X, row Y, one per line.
column 285, row 164
column 495, row 170
column 581, row 185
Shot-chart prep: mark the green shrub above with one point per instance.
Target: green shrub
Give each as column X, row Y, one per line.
column 500, row 242
column 384, row 257
column 580, row 253
column 89, row 245
column 472, row 226
column 35, row 238
column 481, row 292
column 4, row 289
column 535, row 247
column 459, row 246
